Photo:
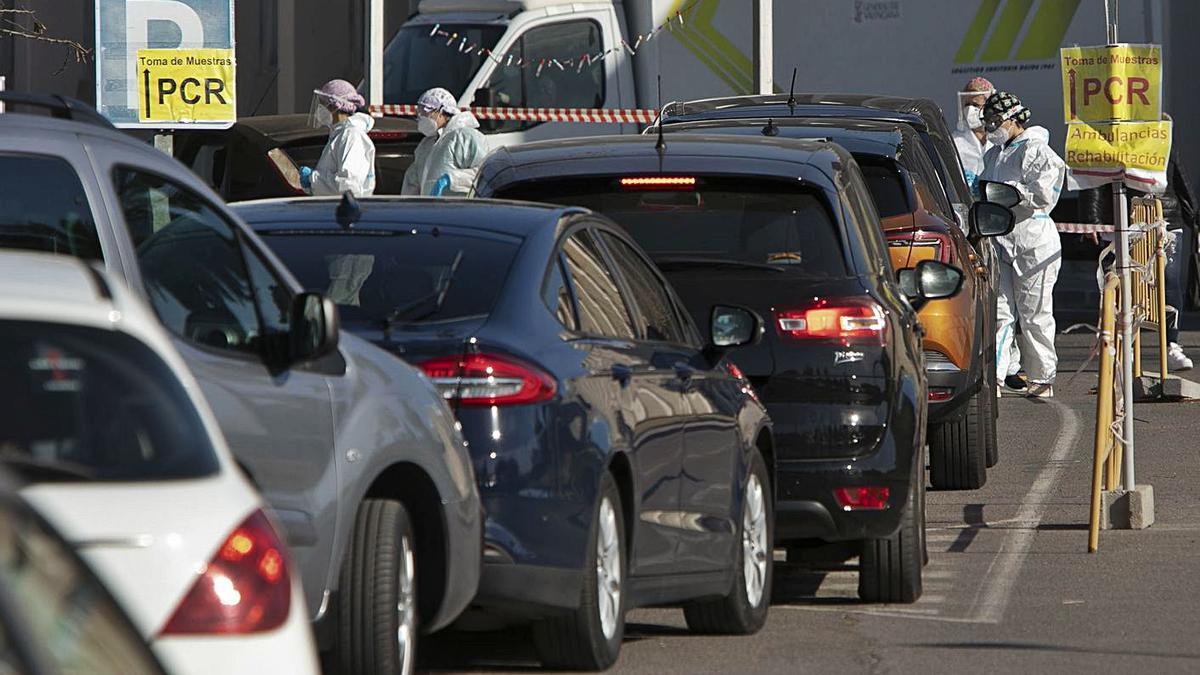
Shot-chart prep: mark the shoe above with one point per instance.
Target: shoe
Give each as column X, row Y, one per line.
column 1176, row 359
column 1015, row 383
column 1040, row 390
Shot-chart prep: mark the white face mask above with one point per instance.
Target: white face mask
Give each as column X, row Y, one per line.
column 323, row 116
column 974, row 117
column 427, row 126
column 999, row 136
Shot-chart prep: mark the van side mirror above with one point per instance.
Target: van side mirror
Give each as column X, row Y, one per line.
column 999, row 193
column 929, row 280
column 314, row 327
column 991, row 220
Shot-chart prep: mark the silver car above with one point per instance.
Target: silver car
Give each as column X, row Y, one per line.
column 356, row 453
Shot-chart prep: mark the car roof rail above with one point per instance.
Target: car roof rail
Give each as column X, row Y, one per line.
column 62, row 107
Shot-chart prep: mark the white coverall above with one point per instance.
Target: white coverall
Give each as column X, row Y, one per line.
column 456, row 150
column 348, row 160
column 971, row 152
column 1030, row 256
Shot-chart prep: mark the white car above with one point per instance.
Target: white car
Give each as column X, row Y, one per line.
column 121, row 453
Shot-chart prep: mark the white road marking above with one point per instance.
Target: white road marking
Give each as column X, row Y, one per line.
column 1001, row 576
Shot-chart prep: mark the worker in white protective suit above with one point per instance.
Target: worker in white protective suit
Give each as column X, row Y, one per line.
column 970, row 137
column 1030, row 255
column 447, row 159
column 347, row 162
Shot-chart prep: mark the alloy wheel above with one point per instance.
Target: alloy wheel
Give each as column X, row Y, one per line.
column 406, row 615
column 754, row 542
column 608, row 569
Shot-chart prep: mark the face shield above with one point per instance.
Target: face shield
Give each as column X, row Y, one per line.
column 966, row 101
column 320, row 113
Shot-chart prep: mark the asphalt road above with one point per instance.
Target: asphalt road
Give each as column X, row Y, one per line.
column 1009, row 587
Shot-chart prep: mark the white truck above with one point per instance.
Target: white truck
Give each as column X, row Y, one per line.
column 912, row 48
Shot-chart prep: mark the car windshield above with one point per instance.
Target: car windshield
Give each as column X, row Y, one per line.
column 723, row 223
column 390, row 276
column 416, row 59
column 88, row 404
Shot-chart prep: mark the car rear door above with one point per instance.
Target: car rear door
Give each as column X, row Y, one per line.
column 642, row 399
column 707, row 414
column 228, row 311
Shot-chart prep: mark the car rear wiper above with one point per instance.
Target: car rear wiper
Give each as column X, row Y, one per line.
column 678, row 262
column 37, row 470
column 437, row 297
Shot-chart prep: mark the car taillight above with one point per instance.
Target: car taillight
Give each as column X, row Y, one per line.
column 922, row 245
column 245, row 588
column 862, row 497
column 658, row 183
column 489, row 379
column 849, row 321
column 738, row 375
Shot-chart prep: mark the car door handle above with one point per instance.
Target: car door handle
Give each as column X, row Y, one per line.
column 622, row 373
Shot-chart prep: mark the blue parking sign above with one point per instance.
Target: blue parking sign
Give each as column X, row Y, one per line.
column 159, row 63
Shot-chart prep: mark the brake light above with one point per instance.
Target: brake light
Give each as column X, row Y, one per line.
column 387, row 135
column 849, row 321
column 489, row 379
column 245, row 588
column 659, row 183
column 737, row 374
column 862, row 497
column 923, row 244
column 939, row 394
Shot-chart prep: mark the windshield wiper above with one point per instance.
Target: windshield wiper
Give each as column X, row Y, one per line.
column 678, row 262
column 437, row 297
column 34, row 469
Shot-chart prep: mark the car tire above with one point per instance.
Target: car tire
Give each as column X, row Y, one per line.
column 377, row 608
column 890, row 569
column 992, row 405
column 957, row 451
column 589, row 638
column 744, row 610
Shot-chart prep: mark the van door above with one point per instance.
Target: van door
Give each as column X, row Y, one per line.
column 537, row 75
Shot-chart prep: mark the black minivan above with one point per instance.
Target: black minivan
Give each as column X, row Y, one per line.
column 787, row 228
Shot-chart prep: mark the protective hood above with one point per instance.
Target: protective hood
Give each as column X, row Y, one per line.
column 1035, row 134
column 463, row 120
column 361, row 121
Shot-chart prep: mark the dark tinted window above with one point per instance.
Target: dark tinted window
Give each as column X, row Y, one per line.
column 925, row 180
column 858, row 200
column 533, row 80
column 887, row 185
column 378, row 274
column 765, row 223
column 191, row 262
column 43, row 208
column 557, row 296
column 656, row 311
column 93, row 404
column 602, row 309
column 416, row 60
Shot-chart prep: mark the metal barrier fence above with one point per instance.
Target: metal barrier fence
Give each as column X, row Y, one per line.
column 1148, row 305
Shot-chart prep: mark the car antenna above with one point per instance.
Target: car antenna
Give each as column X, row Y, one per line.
column 348, row 211
column 792, row 93
column 662, row 141
column 771, row 129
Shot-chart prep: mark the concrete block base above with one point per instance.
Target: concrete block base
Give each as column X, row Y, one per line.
column 1127, row 510
column 1150, row 387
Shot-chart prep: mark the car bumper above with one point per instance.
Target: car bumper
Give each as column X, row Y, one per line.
column 288, row 649
column 963, row 386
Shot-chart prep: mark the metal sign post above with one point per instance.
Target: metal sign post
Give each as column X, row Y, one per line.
column 764, row 47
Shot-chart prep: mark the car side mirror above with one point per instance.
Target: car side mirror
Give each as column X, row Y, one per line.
column 314, row 329
column 999, row 193
column 731, row 327
column 991, row 220
column 929, row 280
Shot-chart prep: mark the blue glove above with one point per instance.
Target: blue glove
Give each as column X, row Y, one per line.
column 306, row 177
column 440, row 186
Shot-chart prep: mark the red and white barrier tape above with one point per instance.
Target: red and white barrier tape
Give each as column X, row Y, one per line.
column 1083, row 228
column 577, row 115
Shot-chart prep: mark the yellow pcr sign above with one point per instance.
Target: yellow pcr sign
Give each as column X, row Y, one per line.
column 186, row 85
column 1112, row 83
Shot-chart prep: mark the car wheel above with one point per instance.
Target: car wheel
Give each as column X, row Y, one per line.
column 889, row 569
column 377, row 608
column 744, row 610
column 589, row 638
column 957, row 452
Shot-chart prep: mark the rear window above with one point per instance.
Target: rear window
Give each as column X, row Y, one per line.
column 888, row 186
column 89, row 404
column 397, row 276
column 43, row 208
column 785, row 227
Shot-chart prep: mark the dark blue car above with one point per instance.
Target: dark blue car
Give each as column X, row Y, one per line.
column 621, row 459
